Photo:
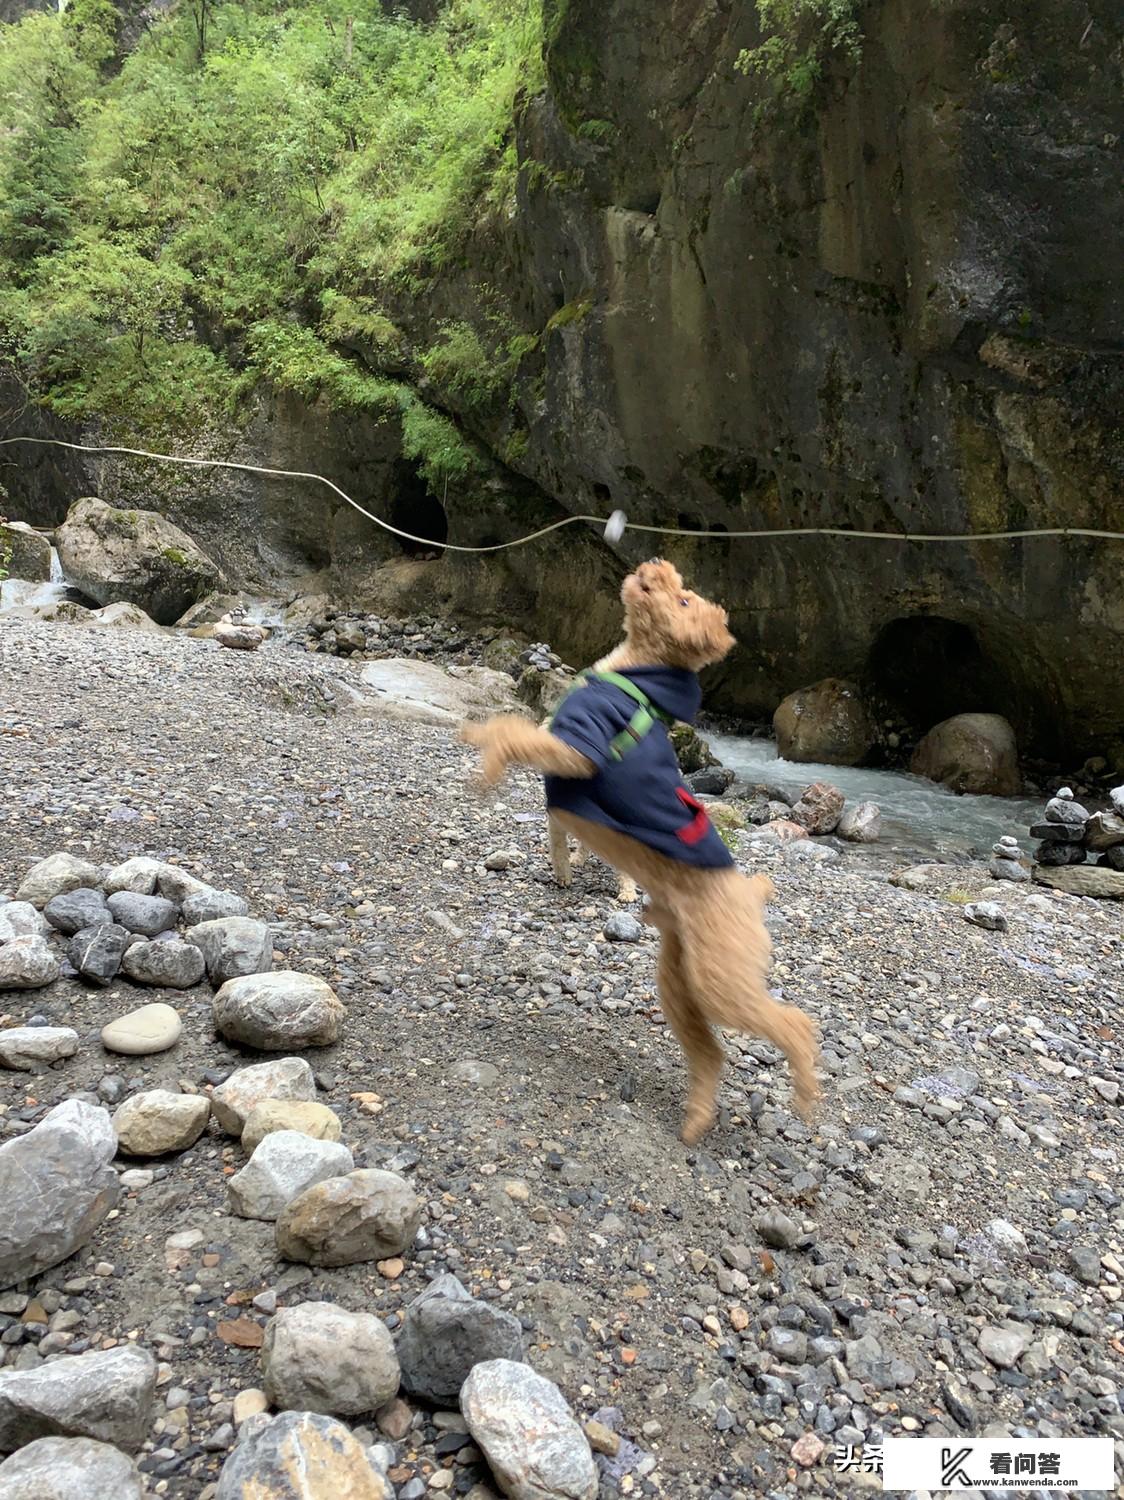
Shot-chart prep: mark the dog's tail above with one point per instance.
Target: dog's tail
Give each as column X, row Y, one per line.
column 763, row 888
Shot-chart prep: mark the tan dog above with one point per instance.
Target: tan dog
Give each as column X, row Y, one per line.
column 715, row 949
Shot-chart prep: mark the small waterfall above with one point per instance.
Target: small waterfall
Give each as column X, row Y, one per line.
column 15, row 592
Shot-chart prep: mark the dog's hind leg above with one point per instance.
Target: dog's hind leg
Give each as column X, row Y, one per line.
column 560, row 861
column 726, row 953
column 703, row 1053
column 627, row 894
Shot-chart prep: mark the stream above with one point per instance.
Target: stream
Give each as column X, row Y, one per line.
column 917, row 815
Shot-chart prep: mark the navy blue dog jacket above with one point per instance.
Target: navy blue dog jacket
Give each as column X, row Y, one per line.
column 638, row 790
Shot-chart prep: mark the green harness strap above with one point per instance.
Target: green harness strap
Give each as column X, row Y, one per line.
column 645, row 718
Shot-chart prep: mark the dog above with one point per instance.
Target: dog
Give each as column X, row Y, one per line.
column 631, row 808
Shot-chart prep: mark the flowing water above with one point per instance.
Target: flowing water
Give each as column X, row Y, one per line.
column 917, row 814
column 17, row 591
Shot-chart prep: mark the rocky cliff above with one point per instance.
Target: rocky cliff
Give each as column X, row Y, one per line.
column 894, row 305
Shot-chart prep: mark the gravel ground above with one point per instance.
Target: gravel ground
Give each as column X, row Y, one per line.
column 963, row 1182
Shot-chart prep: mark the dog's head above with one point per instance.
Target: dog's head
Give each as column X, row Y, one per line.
column 669, row 623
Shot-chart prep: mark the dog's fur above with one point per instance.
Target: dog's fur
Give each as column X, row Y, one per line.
column 715, row 948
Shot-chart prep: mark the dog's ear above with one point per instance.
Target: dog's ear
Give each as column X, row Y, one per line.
column 705, row 632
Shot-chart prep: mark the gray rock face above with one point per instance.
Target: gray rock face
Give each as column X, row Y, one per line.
column 73, row 910
column 318, row 1357
column 280, row 1078
column 27, row 963
column 232, row 947
column 133, row 555
column 55, row 875
column 147, row 915
column 56, row 1186
column 275, row 1012
column 21, row 919
column 367, row 1215
column 528, row 1434
column 173, row 965
column 28, row 1048
column 96, row 952
column 106, row 1394
column 70, row 1468
column 283, row 1165
column 445, row 1331
column 210, row 905
column 277, row 1460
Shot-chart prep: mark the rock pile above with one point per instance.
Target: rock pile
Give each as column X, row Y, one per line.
column 156, row 925
column 1006, row 861
column 1070, row 835
column 819, row 810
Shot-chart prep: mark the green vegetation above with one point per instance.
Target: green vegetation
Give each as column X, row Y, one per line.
column 573, row 312
column 798, row 37
column 247, row 197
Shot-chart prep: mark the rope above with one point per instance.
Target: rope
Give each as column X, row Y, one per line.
column 602, row 521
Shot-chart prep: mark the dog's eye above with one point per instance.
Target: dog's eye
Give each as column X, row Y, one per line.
column 684, row 602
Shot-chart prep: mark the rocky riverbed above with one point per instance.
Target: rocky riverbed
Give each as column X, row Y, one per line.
column 943, row 1254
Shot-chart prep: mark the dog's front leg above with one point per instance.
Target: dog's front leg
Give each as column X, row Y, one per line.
column 509, row 740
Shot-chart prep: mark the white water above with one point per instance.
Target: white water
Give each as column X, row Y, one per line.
column 15, row 591
column 916, row 814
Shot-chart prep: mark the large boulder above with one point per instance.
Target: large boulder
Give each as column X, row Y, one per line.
column 320, row 1357
column 157, row 1121
column 431, row 694
column 136, row 556
column 367, row 1215
column 276, row 1012
column 283, row 1078
column 70, row 1468
column 1083, row 880
column 971, row 753
column 527, row 1433
column 445, row 1331
column 825, row 725
column 54, row 876
column 29, row 554
column 56, row 1185
column 105, row 1394
column 282, row 1167
column 301, row 1455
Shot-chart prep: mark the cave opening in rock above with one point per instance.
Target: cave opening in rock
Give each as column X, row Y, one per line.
column 929, row 668
column 415, row 510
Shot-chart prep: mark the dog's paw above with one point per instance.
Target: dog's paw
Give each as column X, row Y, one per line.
column 696, row 1125
column 627, row 894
